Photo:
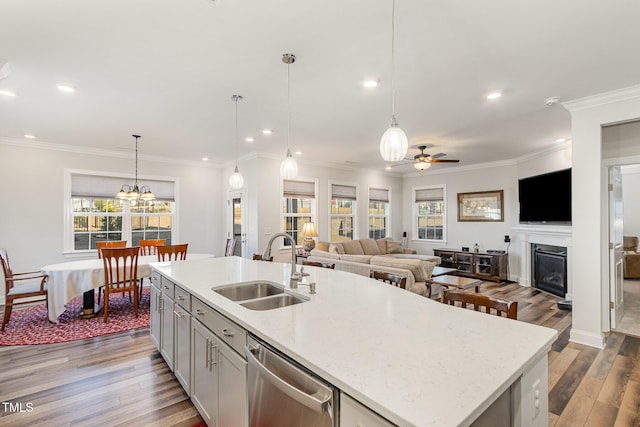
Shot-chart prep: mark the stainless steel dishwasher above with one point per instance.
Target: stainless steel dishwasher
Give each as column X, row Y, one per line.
column 282, row 393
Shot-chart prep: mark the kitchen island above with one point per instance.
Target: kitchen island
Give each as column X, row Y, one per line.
column 412, row 360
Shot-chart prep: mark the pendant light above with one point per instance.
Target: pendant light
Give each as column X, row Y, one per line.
column 393, row 144
column 133, row 193
column 288, row 167
column 235, row 180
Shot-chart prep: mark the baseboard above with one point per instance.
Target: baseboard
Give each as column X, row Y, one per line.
column 587, row 338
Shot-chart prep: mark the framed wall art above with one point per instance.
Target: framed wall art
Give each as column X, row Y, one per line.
column 481, row 206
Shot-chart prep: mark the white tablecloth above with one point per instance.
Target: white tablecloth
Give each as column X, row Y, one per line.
column 68, row 280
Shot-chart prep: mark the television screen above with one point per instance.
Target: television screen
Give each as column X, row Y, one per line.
column 546, row 198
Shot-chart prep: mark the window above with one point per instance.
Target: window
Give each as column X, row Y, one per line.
column 96, row 215
column 298, row 207
column 343, row 212
column 378, row 212
column 95, row 220
column 429, row 210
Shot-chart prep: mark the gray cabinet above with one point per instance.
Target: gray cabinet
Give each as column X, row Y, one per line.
column 355, row 414
column 154, row 315
column 204, row 372
column 166, row 321
column 182, row 338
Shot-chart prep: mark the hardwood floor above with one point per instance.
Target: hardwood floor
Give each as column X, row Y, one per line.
column 121, row 379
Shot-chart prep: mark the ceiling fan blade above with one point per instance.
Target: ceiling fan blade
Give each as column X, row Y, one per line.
column 444, row 161
column 437, row 156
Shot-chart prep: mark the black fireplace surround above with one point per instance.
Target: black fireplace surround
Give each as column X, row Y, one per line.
column 549, row 268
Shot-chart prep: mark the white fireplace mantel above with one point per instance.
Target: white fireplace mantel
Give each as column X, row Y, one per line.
column 525, row 236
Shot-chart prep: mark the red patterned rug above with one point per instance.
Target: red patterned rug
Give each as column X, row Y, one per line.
column 31, row 325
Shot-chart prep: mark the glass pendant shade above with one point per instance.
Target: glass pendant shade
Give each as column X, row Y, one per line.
column 235, row 180
column 394, row 143
column 288, row 167
column 422, row 166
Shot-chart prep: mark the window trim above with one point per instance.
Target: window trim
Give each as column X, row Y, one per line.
column 388, row 211
column 356, row 210
column 314, row 209
column 68, row 237
column 414, row 210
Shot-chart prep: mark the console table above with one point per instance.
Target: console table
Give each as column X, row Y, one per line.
column 480, row 265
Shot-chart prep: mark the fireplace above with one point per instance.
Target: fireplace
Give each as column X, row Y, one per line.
column 549, row 268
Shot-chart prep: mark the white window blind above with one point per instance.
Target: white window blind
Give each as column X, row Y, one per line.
column 429, row 194
column 379, row 195
column 339, row 191
column 106, row 187
column 299, row 189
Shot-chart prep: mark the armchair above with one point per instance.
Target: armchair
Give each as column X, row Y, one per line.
column 631, row 257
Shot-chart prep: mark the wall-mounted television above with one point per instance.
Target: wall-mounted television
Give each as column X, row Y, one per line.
column 545, row 199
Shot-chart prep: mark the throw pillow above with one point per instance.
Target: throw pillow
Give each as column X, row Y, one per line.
column 382, row 246
column 336, row 248
column 323, row 246
column 370, row 247
column 394, row 247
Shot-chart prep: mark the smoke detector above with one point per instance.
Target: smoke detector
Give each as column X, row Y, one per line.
column 552, row 101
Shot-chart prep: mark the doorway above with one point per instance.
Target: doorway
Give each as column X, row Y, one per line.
column 236, row 221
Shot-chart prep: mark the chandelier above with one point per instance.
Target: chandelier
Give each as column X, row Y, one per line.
column 134, row 193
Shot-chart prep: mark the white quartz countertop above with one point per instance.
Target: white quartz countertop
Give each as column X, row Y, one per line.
column 413, row 360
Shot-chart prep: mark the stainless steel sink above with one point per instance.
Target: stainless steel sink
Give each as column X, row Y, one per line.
column 249, row 290
column 272, row 302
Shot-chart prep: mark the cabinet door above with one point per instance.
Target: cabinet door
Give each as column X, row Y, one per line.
column 204, row 372
column 353, row 413
column 232, row 388
column 155, row 316
column 166, row 329
column 182, row 347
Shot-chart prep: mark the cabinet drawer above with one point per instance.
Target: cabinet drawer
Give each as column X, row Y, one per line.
column 155, row 278
column 183, row 298
column 168, row 287
column 224, row 328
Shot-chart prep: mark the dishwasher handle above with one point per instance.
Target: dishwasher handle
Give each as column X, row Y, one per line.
column 310, row 401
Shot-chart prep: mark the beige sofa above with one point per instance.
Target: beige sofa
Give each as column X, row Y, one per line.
column 365, row 255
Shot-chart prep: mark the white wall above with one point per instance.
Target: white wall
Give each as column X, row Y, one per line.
column 631, row 200
column 31, row 214
column 263, row 187
column 590, row 222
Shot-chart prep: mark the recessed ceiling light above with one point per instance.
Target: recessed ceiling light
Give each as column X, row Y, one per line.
column 249, row 139
column 267, row 131
column 494, row 94
column 298, row 153
column 29, row 136
column 63, row 87
column 7, row 93
column 370, row 83
column 205, row 159
column 388, row 168
column 560, row 140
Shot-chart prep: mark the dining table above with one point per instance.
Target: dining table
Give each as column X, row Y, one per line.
column 69, row 280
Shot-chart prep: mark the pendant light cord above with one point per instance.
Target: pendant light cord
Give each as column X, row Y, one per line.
column 288, row 107
column 136, row 137
column 393, row 59
column 236, row 132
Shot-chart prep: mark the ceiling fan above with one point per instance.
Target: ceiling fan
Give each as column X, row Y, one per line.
column 423, row 160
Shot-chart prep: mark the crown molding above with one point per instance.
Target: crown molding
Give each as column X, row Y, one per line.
column 602, row 99
column 76, row 149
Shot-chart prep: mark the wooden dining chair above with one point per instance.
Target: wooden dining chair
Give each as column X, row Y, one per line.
column 172, row 252
column 120, row 274
column 319, row 264
column 390, row 278
column 19, row 286
column 230, row 247
column 109, row 244
column 258, row 257
column 148, row 247
column 482, row 303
